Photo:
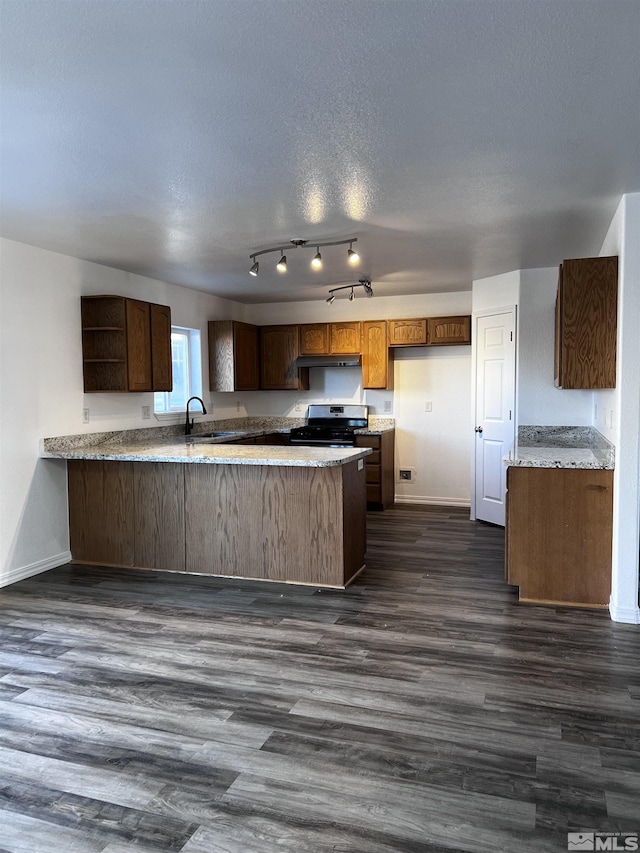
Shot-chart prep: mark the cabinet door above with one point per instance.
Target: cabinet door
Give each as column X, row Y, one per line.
column 278, row 353
column 245, row 357
column 314, row 339
column 557, row 350
column 588, row 323
column 448, row 331
column 377, row 368
column 161, row 366
column 138, row 345
column 407, row 333
column 346, row 338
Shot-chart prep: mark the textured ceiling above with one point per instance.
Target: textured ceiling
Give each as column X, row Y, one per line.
column 455, row 139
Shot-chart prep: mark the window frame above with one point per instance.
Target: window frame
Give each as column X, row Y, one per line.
column 162, row 404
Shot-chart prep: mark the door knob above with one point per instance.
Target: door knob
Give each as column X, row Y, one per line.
column 478, row 429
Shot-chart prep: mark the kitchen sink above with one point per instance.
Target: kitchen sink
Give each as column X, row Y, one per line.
column 210, row 436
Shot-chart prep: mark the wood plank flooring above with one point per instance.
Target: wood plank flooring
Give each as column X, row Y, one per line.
column 421, row 710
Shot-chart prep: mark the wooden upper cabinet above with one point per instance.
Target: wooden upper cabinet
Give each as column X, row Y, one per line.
column 126, row 345
column 279, row 348
column 586, row 323
column 346, row 338
column 138, row 345
column 448, row 331
column 314, row 339
column 161, row 363
column 407, row 333
column 233, row 356
column 377, row 365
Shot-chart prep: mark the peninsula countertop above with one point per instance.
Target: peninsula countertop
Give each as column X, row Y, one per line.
column 212, row 452
column 560, row 447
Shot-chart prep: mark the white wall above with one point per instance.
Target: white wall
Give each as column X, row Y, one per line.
column 41, row 390
column 623, row 239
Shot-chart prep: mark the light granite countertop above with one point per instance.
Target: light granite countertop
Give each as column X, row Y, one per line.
column 560, row 447
column 212, row 452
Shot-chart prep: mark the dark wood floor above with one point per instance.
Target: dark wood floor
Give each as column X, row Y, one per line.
column 421, row 710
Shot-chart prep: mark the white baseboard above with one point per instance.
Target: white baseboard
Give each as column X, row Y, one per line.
column 630, row 615
column 429, row 501
column 20, row 573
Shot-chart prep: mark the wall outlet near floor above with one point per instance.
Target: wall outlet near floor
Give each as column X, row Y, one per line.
column 387, row 405
column 146, row 413
column 85, row 416
column 406, row 475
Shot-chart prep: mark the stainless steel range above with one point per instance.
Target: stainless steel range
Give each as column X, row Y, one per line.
column 331, row 425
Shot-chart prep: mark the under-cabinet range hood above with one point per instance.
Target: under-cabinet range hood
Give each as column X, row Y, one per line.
column 329, row 361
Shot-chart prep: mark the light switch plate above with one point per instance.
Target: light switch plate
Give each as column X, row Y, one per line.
column 360, row 464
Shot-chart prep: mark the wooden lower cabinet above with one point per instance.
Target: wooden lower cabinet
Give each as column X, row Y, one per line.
column 558, row 535
column 380, row 466
column 281, row 523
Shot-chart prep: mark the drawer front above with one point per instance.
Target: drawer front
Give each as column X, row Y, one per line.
column 374, row 493
column 373, row 473
column 368, row 441
column 373, row 458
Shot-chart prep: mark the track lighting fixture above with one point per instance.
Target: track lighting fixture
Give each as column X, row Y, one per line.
column 352, row 256
column 364, row 283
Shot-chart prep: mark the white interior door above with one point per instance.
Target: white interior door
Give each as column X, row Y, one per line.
column 495, row 411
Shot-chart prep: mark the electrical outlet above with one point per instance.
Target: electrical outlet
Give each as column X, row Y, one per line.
column 428, row 406
column 406, row 475
column 387, row 405
column 146, row 413
column 238, row 407
column 85, row 416
column 298, row 407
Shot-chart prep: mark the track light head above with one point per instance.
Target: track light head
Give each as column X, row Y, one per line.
column 254, row 269
column 352, row 255
column 331, row 299
column 316, row 263
column 281, row 266
column 352, row 296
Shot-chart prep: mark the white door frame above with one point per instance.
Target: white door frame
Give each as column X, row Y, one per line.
column 488, row 312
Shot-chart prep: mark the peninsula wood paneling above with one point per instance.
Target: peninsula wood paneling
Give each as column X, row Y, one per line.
column 559, row 525
column 264, row 521
column 354, row 521
column 101, row 520
column 586, row 321
column 158, row 502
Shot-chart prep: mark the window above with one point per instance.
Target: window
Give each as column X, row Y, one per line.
column 187, row 372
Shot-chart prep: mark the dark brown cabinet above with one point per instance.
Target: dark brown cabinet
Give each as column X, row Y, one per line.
column 379, row 468
column 586, row 323
column 279, row 349
column 407, row 333
column 126, row 345
column 448, row 331
column 233, row 356
column 558, row 535
column 377, row 357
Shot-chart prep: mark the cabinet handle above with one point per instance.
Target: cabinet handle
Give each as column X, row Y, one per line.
column 478, row 429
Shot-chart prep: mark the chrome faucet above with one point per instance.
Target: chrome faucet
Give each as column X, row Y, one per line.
column 188, row 424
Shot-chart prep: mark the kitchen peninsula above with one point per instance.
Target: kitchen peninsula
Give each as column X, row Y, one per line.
column 288, row 514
